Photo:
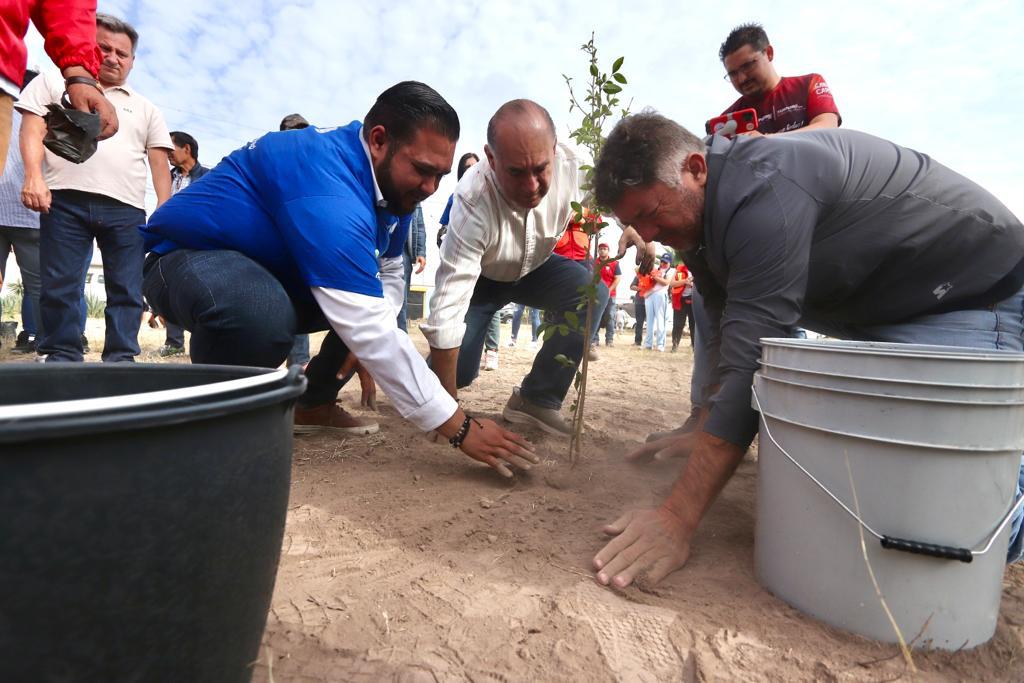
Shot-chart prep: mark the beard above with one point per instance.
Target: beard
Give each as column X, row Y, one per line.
column 398, row 204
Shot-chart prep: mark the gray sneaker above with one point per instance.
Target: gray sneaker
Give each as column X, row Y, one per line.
column 521, row 411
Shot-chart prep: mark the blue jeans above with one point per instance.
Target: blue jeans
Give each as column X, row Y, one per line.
column 517, row 320
column 656, row 305
column 606, row 319
column 175, row 335
column 240, row 314
column 403, row 319
column 552, row 288
column 25, row 244
column 65, row 245
column 299, row 355
column 640, row 314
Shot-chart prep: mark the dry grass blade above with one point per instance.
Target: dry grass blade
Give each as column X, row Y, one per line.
column 907, row 656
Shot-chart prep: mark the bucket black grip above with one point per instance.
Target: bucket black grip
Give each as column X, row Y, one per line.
column 944, row 551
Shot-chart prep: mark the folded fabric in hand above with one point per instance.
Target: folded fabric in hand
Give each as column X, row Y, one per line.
column 71, row 134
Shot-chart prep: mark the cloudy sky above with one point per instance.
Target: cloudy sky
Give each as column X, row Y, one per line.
column 942, row 77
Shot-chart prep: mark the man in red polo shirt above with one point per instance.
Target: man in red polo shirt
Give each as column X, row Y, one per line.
column 610, row 274
column 783, row 104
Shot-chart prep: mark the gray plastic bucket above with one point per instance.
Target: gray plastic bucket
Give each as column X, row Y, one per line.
column 934, row 476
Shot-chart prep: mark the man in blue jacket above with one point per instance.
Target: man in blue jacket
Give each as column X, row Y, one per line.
column 301, row 231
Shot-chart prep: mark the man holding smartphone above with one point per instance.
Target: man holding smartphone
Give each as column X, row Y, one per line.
column 784, row 104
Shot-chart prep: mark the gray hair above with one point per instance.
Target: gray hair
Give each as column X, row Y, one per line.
column 115, row 25
column 642, row 148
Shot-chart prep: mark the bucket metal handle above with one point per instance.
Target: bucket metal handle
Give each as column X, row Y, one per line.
column 91, row 405
column 947, row 552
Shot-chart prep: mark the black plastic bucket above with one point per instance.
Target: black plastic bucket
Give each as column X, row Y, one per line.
column 142, row 509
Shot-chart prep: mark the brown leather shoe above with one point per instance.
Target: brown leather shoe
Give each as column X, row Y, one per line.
column 331, row 417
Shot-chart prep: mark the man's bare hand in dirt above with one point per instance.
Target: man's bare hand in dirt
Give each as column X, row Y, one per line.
column 657, row 542
column 368, row 388
column 675, row 446
column 651, row 543
column 497, row 447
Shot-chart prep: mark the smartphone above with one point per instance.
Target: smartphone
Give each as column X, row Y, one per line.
column 746, row 121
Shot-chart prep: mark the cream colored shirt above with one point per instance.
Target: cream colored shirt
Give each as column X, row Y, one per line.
column 118, row 168
column 489, row 236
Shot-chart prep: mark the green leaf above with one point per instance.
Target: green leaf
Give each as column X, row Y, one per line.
column 572, row 318
column 618, row 64
column 611, row 88
column 563, row 329
column 620, row 78
column 586, row 167
column 593, row 70
column 549, row 332
column 565, row 361
column 576, row 206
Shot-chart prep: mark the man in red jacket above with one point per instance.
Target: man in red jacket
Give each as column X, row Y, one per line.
column 69, row 29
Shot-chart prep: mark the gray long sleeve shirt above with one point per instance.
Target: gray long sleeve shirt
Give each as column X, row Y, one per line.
column 840, row 227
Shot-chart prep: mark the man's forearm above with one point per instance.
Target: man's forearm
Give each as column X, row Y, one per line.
column 161, row 175
column 708, row 469
column 444, row 363
column 30, row 140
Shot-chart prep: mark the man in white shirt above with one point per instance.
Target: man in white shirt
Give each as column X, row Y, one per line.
column 101, row 199
column 508, row 213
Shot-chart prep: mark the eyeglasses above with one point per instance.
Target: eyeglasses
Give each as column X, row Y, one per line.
column 744, row 69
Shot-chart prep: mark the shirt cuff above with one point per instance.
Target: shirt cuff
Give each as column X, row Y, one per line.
column 449, row 337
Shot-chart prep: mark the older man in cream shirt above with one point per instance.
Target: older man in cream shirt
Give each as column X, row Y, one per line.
column 508, row 213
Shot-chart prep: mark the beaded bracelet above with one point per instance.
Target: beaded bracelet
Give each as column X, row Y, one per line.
column 460, row 436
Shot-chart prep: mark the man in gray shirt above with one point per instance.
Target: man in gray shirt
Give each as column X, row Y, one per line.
column 834, row 230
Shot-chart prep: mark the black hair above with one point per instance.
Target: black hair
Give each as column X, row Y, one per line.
column 185, row 140
column 406, row 107
column 464, row 164
column 294, row 122
column 745, row 34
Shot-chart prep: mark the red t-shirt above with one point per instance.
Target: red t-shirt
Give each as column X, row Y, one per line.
column 677, row 294
column 792, row 104
column 608, row 273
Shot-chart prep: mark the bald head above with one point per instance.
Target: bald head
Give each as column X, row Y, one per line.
column 521, row 150
column 520, row 118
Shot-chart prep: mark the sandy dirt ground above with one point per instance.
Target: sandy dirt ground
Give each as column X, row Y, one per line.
column 404, row 561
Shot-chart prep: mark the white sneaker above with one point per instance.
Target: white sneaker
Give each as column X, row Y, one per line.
column 491, row 360
column 535, row 344
column 511, row 343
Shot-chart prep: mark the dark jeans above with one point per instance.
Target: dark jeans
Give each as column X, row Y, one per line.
column 679, row 317
column 403, row 317
column 551, row 288
column 299, row 355
column 605, row 319
column 25, row 243
column 65, row 244
column 517, row 319
column 240, row 314
column 175, row 335
column 640, row 313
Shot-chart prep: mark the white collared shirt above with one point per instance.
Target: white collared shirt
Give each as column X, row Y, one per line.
column 489, row 236
column 118, row 169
